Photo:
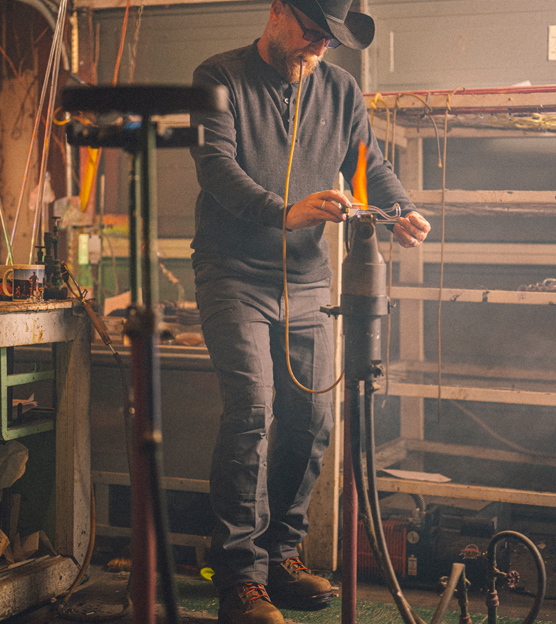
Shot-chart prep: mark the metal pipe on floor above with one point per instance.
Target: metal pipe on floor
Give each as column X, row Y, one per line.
column 349, row 513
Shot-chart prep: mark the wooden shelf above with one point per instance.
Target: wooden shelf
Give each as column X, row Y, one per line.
column 487, row 394
column 464, row 102
column 463, row 295
column 525, row 203
column 473, row 114
column 399, row 449
column 527, row 254
column 472, row 492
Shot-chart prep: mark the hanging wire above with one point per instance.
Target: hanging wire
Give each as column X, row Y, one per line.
column 57, row 45
column 441, row 163
column 499, row 437
column 391, row 241
column 441, row 280
column 442, row 244
column 133, row 46
column 55, row 39
column 390, row 266
column 374, row 106
column 94, row 154
column 389, row 319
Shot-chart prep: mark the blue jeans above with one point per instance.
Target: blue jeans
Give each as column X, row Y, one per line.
column 260, row 493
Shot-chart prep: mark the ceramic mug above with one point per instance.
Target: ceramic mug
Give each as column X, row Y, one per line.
column 3, row 270
column 22, row 282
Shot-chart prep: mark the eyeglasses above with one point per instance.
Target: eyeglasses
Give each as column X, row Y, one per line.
column 314, row 36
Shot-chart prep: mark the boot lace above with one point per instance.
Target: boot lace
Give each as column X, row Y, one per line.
column 254, row 591
column 294, row 564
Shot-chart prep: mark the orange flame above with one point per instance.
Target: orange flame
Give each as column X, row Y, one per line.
column 359, row 180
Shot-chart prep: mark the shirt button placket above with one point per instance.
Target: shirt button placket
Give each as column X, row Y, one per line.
column 291, row 118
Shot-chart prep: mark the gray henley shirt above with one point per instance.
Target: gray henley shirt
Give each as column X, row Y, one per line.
column 242, row 166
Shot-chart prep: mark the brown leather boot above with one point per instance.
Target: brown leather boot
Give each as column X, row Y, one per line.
column 247, row 604
column 291, row 583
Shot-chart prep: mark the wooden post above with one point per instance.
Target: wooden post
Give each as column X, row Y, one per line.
column 320, row 548
column 73, row 454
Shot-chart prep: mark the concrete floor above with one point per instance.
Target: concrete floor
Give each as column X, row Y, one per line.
column 102, row 594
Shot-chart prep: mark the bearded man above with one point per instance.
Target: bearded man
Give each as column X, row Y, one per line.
column 260, row 494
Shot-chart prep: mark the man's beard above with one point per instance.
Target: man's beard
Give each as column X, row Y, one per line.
column 287, row 63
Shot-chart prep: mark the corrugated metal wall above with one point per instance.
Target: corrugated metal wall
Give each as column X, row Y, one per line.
column 170, row 42
column 470, row 43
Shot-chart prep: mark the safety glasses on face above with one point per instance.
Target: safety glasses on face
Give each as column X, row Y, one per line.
column 314, row 36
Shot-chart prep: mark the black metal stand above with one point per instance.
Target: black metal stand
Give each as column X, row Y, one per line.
column 364, row 302
column 148, row 507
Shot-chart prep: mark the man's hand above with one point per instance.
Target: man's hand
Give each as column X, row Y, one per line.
column 317, row 208
column 412, row 229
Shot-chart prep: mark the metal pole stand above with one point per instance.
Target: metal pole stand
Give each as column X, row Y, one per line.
column 363, row 304
column 148, row 508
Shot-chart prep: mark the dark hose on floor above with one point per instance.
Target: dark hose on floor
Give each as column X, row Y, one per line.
column 370, row 509
column 493, row 573
column 373, row 525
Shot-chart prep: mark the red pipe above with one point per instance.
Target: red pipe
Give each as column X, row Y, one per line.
column 143, row 542
column 349, row 522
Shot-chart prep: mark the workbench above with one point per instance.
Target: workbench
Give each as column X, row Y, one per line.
column 64, row 327
column 191, row 409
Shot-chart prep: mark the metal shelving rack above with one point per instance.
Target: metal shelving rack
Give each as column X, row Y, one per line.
column 468, row 115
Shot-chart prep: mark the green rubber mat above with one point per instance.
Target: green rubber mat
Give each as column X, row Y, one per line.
column 195, row 596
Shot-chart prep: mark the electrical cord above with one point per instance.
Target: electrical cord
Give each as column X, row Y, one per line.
column 94, row 154
column 62, row 604
column 373, row 524
column 99, row 325
column 442, row 165
column 387, row 141
column 497, row 436
column 441, row 280
column 284, row 249
column 389, row 319
column 378, row 98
